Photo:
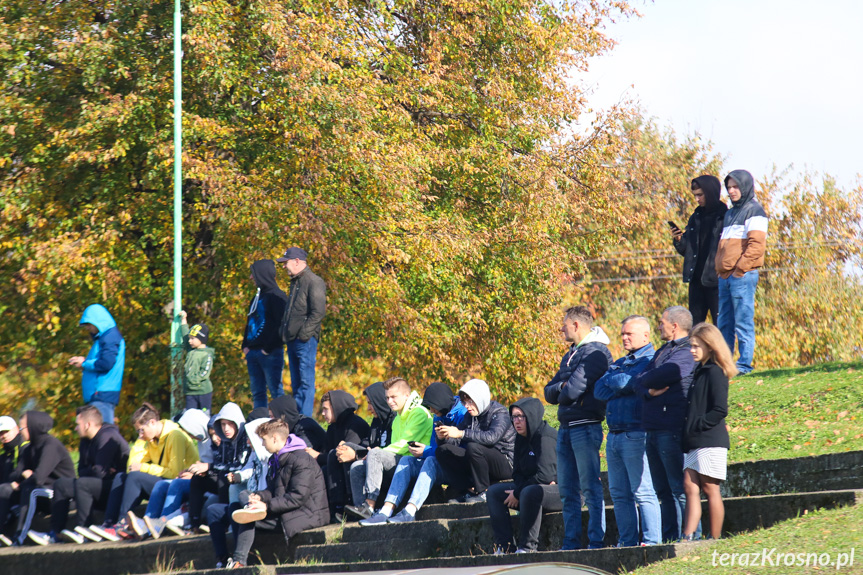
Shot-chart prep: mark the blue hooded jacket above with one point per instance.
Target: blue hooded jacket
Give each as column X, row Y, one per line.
column 103, row 368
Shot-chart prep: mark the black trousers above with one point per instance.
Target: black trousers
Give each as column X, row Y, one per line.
column 474, row 465
column 533, row 500
column 198, row 489
column 88, row 492
column 8, row 498
column 702, row 300
column 337, row 476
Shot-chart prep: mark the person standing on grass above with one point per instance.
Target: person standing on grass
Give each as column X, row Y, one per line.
column 102, row 369
column 698, row 244
column 198, row 367
column 705, row 436
column 301, row 326
column 262, row 340
column 580, row 435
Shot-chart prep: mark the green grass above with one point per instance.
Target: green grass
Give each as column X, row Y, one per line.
column 793, row 412
column 833, row 531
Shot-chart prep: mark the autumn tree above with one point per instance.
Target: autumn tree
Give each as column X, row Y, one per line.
column 432, row 156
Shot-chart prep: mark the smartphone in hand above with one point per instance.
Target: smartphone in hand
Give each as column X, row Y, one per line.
column 413, row 444
column 672, row 225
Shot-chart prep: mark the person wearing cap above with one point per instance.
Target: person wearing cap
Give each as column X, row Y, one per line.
column 13, row 442
column 102, row 378
column 199, row 365
column 301, row 325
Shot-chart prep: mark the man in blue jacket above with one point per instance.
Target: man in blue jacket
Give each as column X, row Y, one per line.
column 580, row 435
column 102, row 369
column 662, row 387
column 629, row 479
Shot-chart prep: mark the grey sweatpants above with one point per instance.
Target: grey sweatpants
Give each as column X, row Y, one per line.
column 368, row 474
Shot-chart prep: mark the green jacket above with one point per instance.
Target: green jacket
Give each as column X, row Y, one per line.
column 198, row 367
column 414, row 423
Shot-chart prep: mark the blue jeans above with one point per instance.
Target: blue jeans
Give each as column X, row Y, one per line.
column 106, row 409
column 577, row 473
column 629, row 484
column 737, row 316
column 665, row 458
column 265, row 372
column 301, row 362
column 167, row 496
column 428, row 474
column 407, row 469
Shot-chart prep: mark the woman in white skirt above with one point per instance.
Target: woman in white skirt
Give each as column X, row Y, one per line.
column 705, row 437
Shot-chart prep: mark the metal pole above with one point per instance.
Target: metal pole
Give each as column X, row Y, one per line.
column 176, row 333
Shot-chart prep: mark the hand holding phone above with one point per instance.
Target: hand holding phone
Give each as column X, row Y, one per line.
column 675, row 231
column 412, row 443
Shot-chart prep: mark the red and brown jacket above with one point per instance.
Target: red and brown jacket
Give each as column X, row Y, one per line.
column 744, row 231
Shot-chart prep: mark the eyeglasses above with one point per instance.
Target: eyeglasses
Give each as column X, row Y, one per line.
column 518, row 418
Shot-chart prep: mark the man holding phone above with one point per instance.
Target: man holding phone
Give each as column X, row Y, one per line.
column 698, row 243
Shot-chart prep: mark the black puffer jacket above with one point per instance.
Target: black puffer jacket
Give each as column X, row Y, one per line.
column 105, row 455
column 296, row 494
column 492, row 428
column 707, row 406
column 701, row 238
column 44, row 455
column 307, row 303
column 572, row 385
column 348, row 426
column 306, row 428
column 535, row 460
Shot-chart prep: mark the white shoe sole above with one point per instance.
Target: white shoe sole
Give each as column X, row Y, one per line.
column 87, row 534
column 71, row 537
column 104, row 534
column 243, row 516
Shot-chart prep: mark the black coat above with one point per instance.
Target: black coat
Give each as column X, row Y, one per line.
column 307, row 303
column 105, row 455
column 263, row 325
column 381, row 429
column 348, row 426
column 672, row 366
column 535, row 461
column 44, row 455
column 306, row 428
column 297, row 495
column 707, row 406
column 572, row 385
column 9, row 456
column 698, row 245
column 492, row 428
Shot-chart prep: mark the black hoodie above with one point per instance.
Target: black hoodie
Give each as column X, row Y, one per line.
column 701, row 238
column 44, row 455
column 265, row 310
column 105, row 455
column 535, row 459
column 439, row 396
column 381, row 433
column 9, row 457
column 306, row 428
column 348, row 426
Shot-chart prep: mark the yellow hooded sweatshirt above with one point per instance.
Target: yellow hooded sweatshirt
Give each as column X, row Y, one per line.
column 167, row 455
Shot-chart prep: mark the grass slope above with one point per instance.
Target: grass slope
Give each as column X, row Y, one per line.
column 791, row 412
column 834, row 532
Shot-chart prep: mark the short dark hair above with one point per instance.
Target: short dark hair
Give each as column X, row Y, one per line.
column 275, row 427
column 144, row 414
column 394, row 381
column 90, row 413
column 579, row 313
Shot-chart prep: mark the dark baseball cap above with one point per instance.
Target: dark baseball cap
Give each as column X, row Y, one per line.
column 293, row 253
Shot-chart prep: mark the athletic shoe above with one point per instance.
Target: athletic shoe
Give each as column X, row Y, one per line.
column 87, row 534
column 203, row 528
column 40, row 538
column 523, row 550
column 459, row 499
column 5, row 540
column 401, row 517
column 364, row 511
column 155, row 525
column 234, row 564
column 478, row 498
column 105, row 532
column 179, row 530
column 376, row 519
column 248, row 515
column 71, row 537
column 137, row 525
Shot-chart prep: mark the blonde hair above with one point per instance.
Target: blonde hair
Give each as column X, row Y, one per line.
column 715, row 347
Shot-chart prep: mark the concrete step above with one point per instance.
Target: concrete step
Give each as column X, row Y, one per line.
column 355, row 533
column 385, row 549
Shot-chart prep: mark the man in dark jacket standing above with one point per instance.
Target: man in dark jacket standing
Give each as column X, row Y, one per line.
column 295, row 495
column 580, row 434
column 698, row 246
column 103, row 453
column 662, row 388
column 262, row 340
column 301, row 326
column 740, row 254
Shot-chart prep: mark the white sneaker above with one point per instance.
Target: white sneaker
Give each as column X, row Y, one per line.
column 71, row 537
column 5, row 540
column 178, row 530
column 87, row 534
column 137, row 525
column 40, row 538
column 250, row 515
column 108, row 533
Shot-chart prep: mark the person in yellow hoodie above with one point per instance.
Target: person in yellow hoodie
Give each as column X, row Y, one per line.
column 413, row 424
column 163, row 450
